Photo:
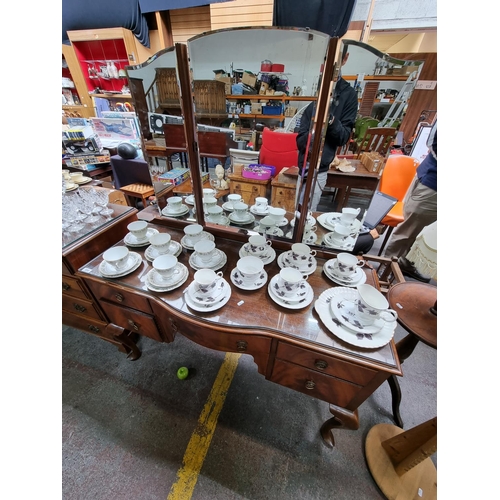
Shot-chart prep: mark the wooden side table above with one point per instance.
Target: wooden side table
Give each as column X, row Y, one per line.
column 249, row 189
column 283, row 194
column 413, row 302
column 141, row 191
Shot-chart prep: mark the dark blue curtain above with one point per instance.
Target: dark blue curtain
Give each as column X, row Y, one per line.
column 328, row 16
column 96, row 14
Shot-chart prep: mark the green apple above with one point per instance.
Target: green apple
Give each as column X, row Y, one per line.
column 182, row 373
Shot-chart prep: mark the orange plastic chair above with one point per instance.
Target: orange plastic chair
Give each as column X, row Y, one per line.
column 279, row 149
column 396, row 178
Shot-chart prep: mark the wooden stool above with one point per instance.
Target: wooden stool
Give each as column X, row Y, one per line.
column 142, row 191
column 414, row 303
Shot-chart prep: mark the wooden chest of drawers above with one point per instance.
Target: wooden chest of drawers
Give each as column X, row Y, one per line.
column 249, row 189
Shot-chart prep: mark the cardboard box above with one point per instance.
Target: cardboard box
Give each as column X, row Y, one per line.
column 373, row 162
column 256, row 108
column 263, row 88
column 175, row 176
column 249, row 79
column 83, row 161
column 228, row 81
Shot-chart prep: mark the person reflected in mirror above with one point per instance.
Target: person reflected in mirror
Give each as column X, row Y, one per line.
column 342, row 116
column 419, row 210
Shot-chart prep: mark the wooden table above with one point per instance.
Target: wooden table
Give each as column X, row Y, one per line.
column 345, row 181
column 290, row 347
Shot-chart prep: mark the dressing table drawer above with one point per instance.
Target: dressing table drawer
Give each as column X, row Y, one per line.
column 120, row 296
column 72, row 286
column 325, row 364
column 83, row 307
column 315, row 384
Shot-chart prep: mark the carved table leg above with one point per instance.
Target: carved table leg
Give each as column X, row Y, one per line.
column 342, row 418
column 126, row 338
column 396, row 399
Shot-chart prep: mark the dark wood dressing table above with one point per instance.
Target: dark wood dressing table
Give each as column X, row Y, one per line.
column 290, row 347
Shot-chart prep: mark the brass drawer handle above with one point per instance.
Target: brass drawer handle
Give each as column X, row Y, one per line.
column 320, row 364
column 310, row 384
column 241, row 346
column 94, row 329
column 79, row 308
column 65, row 286
column 133, row 325
column 119, row 297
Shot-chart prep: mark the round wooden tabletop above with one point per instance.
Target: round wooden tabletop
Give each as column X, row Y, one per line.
column 413, row 302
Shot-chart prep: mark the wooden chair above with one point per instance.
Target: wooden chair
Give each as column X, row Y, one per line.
column 359, row 132
column 212, row 145
column 396, row 178
column 377, row 139
column 175, row 142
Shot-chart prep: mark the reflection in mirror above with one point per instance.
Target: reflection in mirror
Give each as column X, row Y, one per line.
column 154, row 86
column 251, row 87
column 371, row 93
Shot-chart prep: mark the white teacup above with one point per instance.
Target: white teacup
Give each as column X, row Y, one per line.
column 240, row 211
column 193, row 233
column 340, row 234
column 348, row 216
column 267, row 225
column 346, row 265
column 174, row 203
column 165, row 266
column 205, row 281
column 116, row 257
column 205, row 250
column 76, row 176
column 209, row 192
column 257, row 245
column 139, row 229
column 209, row 201
column 301, row 256
column 232, row 199
column 215, row 213
column 277, row 213
column 372, row 305
column 260, row 204
column 249, row 268
column 160, row 242
column 290, row 281
column 66, row 175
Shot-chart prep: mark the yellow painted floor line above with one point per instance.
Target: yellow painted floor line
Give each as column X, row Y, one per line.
column 201, row 438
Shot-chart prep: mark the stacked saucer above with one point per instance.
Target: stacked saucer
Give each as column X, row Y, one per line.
column 157, row 283
column 175, row 248
column 189, row 199
column 337, row 311
column 207, row 302
column 345, row 243
column 247, row 218
column 217, row 261
column 134, row 260
column 259, row 209
column 132, row 241
column 306, row 264
column 267, row 256
column 177, row 212
column 188, row 244
column 357, row 278
column 302, row 298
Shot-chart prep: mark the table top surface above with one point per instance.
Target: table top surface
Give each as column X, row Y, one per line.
column 360, row 171
column 303, row 324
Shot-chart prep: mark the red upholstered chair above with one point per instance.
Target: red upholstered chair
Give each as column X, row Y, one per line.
column 395, row 180
column 279, row 149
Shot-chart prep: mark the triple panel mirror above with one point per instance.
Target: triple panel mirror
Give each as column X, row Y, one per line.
column 224, row 119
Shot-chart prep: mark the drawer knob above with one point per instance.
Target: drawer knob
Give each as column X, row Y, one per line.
column 133, row 325
column 241, row 346
column 119, row 297
column 320, row 364
column 94, row 329
column 79, row 308
column 310, row 384
column 65, row 286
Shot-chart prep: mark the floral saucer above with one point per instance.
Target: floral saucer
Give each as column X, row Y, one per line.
column 151, row 253
column 266, row 257
column 258, row 283
column 217, row 262
column 204, row 235
column 286, row 260
column 131, row 241
column 177, row 213
column 157, row 284
column 358, row 278
column 288, row 302
column 209, row 307
column 133, row 262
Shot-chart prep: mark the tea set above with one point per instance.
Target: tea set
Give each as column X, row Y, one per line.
column 258, row 246
column 359, row 316
column 345, row 270
column 290, row 289
column 139, row 234
column 343, row 226
column 208, row 291
column 299, row 257
column 207, row 256
column 175, row 207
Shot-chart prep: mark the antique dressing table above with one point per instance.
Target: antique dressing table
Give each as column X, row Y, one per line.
column 290, row 346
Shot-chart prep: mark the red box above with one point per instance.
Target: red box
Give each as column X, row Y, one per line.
column 278, row 68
